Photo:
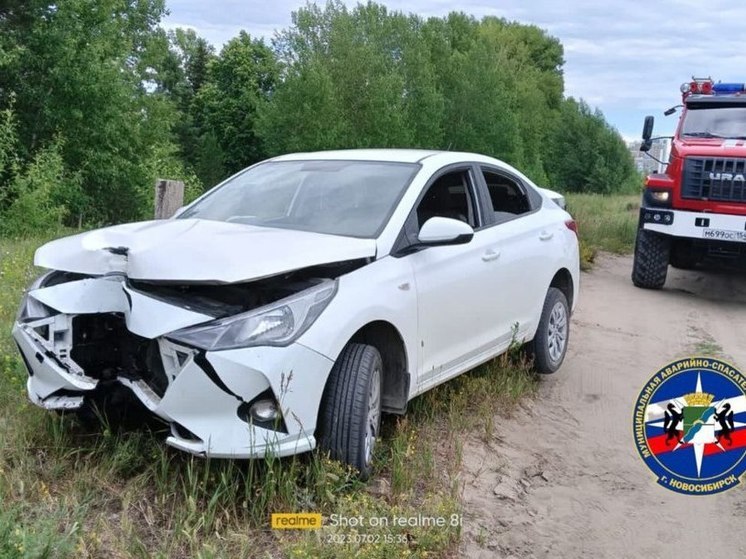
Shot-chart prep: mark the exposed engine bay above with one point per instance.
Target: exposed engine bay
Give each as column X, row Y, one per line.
column 227, row 299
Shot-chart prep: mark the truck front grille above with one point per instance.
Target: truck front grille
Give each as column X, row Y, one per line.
column 714, row 178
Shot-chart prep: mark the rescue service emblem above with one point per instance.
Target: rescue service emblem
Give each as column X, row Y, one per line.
column 690, row 425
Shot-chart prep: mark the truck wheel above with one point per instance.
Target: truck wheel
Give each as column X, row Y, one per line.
column 651, row 260
column 549, row 345
column 350, row 415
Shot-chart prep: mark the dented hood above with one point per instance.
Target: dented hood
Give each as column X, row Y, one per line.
column 196, row 250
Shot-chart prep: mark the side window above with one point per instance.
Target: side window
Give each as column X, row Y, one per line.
column 449, row 196
column 507, row 196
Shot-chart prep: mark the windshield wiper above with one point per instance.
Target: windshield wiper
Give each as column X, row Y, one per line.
column 702, row 135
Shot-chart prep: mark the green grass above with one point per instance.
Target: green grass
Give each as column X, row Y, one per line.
column 607, row 223
column 68, row 492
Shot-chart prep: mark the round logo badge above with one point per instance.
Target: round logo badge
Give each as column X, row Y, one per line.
column 690, row 425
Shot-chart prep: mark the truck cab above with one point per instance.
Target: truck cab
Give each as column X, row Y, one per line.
column 693, row 215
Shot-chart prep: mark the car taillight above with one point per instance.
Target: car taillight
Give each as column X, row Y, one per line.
column 572, row 226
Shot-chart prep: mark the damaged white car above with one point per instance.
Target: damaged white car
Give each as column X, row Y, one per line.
column 291, row 305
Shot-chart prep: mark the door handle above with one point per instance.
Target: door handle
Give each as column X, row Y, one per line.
column 491, row 255
column 545, row 235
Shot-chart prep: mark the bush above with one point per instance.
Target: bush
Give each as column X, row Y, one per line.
column 8, row 140
column 40, row 196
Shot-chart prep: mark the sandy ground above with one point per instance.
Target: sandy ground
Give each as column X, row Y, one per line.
column 562, row 478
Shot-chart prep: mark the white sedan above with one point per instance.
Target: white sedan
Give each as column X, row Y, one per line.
column 291, row 305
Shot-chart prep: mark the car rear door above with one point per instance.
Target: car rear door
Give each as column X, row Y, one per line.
column 527, row 239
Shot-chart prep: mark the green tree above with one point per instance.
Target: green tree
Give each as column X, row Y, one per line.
column 586, row 154
column 179, row 65
column 368, row 77
column 240, row 79
column 478, row 91
column 80, row 70
column 109, row 101
column 360, row 78
column 210, row 167
column 8, row 141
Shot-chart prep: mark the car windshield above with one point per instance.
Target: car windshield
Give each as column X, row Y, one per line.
column 351, row 198
column 715, row 122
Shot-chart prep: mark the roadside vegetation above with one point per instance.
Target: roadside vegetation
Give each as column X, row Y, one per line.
column 607, row 223
column 70, row 492
column 97, row 103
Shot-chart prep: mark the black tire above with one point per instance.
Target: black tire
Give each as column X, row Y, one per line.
column 543, row 348
column 346, row 430
column 652, row 253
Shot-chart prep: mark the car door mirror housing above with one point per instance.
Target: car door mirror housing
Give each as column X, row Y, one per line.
column 438, row 231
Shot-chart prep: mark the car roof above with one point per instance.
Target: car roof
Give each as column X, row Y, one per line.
column 430, row 158
column 392, row 155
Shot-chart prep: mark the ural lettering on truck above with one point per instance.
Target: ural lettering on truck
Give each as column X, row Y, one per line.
column 694, row 214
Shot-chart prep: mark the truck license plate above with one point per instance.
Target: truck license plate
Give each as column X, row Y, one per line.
column 724, row 235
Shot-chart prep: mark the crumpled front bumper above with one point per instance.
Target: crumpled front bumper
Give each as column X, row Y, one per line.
column 205, row 399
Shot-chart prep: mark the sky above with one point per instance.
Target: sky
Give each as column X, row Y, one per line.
column 626, row 57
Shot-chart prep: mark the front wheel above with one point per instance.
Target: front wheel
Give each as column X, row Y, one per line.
column 350, row 418
column 650, row 266
column 549, row 345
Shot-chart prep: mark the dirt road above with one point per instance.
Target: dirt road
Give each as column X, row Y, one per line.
column 562, row 477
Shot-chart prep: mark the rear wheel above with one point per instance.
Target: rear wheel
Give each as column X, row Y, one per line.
column 549, row 345
column 350, row 418
column 650, row 267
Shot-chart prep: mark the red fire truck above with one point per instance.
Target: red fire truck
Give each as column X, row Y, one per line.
column 694, row 214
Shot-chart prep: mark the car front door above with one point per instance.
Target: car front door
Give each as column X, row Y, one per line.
column 455, row 327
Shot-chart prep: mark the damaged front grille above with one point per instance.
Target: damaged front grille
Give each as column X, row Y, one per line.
column 106, row 350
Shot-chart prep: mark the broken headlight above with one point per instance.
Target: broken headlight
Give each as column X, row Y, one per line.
column 30, row 307
column 277, row 324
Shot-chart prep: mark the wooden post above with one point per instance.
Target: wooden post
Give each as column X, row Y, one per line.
column 169, row 197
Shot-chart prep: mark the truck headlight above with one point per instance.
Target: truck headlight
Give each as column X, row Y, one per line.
column 656, row 197
column 277, row 324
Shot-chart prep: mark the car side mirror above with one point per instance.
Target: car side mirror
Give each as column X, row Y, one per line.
column 438, row 231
